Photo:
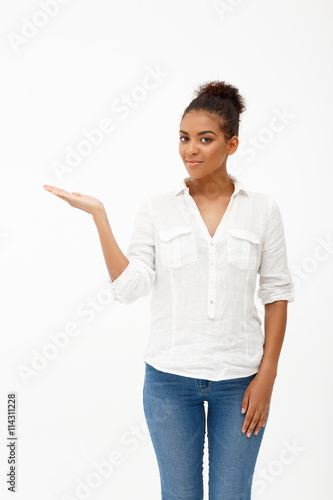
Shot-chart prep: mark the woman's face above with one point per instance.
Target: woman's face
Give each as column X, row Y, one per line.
column 201, row 140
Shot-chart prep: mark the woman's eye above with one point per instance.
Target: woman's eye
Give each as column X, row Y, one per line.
column 183, row 137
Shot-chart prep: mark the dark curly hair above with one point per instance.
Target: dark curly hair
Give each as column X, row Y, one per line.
column 222, row 100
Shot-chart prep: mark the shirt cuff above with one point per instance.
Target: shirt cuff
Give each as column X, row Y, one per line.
column 267, row 298
column 119, row 283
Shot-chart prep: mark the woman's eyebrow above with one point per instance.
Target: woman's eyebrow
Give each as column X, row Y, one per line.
column 199, row 133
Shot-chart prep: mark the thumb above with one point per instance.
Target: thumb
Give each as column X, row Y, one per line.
column 245, row 401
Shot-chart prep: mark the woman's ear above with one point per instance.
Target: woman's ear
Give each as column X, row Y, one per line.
column 233, row 145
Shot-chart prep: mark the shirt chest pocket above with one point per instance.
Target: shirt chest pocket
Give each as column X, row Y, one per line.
column 243, row 248
column 177, row 246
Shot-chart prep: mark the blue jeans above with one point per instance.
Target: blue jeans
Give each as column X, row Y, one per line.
column 175, row 415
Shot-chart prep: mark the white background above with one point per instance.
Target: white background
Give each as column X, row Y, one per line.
column 62, row 72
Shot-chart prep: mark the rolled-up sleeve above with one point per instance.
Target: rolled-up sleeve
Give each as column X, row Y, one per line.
column 139, row 275
column 275, row 281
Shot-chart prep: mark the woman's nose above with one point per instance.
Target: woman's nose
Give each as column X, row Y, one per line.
column 191, row 149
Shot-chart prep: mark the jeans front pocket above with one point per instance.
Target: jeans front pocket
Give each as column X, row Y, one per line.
column 177, row 246
column 242, row 248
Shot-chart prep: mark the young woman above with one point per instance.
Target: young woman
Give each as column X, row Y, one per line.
column 199, row 249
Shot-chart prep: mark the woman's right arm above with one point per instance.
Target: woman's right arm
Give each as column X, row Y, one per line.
column 116, row 261
column 131, row 276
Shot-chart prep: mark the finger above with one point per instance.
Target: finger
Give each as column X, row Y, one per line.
column 245, row 401
column 264, row 419
column 77, row 194
column 247, row 420
column 253, row 423
column 259, row 424
column 61, row 193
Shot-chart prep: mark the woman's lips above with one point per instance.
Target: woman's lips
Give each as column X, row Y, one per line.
column 193, row 163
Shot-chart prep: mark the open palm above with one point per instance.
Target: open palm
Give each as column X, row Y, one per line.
column 82, row 201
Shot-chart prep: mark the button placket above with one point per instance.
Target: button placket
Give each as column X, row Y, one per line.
column 212, row 280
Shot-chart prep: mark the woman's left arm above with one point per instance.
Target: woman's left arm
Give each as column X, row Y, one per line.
column 258, row 394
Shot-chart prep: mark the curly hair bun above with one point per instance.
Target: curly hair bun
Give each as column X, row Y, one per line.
column 223, row 90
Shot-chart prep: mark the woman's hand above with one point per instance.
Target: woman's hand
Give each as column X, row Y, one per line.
column 82, row 201
column 256, row 401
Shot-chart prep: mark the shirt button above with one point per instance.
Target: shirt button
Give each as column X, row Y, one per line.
column 212, row 243
column 212, row 302
column 212, row 263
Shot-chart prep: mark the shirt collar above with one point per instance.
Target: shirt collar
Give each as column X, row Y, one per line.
column 235, row 180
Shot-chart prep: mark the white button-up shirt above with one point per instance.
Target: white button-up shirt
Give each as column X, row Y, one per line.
column 204, row 321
